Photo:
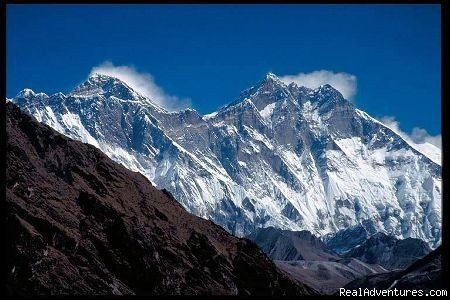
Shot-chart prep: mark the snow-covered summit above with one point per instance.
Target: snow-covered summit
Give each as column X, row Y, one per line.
column 327, row 89
column 25, row 93
column 101, row 87
column 103, row 84
column 271, row 77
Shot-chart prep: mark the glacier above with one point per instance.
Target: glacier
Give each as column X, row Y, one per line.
column 279, row 155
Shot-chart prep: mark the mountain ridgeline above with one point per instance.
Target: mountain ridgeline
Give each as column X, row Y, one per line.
column 279, row 155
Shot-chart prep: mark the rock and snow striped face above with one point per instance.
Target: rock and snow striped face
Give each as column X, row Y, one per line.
column 279, row 155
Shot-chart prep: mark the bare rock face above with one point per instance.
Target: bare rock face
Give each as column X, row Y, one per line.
column 79, row 223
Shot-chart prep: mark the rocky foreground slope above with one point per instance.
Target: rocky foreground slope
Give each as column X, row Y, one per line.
column 79, row 223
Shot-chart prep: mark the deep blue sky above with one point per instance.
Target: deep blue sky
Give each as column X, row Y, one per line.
column 209, row 53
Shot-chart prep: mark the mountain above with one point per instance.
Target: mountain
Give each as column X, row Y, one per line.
column 307, row 259
column 278, row 155
column 424, row 274
column 79, row 223
column 390, row 252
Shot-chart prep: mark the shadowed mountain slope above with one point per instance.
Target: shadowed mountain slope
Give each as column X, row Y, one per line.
column 79, row 223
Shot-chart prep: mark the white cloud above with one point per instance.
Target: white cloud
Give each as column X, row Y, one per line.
column 417, row 136
column 142, row 83
column 345, row 83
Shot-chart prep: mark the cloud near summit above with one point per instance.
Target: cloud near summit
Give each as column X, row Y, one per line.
column 142, row 83
column 418, row 135
column 343, row 82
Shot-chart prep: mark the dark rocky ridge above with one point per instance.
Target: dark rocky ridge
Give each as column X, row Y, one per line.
column 424, row 274
column 79, row 223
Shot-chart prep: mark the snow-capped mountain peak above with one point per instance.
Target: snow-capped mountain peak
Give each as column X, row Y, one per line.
column 267, row 91
column 327, row 89
column 109, row 87
column 25, row 93
column 103, row 84
column 279, row 155
column 273, row 78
